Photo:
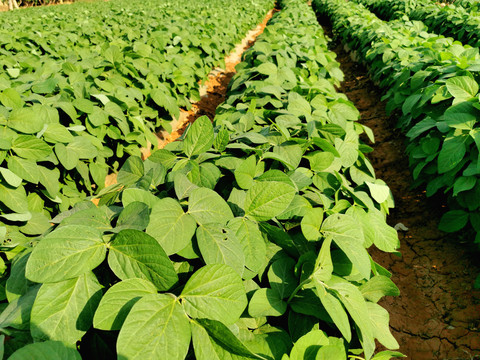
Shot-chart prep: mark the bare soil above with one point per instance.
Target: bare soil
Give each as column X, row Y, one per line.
column 437, row 315
column 213, row 91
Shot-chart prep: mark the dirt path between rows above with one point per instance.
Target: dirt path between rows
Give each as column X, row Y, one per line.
column 214, row 90
column 437, row 315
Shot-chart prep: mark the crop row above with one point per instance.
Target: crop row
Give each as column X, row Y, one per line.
column 432, row 83
column 82, row 87
column 455, row 21
column 246, row 239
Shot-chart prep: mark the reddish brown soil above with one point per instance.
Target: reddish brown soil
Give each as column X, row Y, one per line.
column 215, row 87
column 437, row 315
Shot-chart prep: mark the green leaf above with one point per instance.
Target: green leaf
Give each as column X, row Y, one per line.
column 118, row 301
column 199, row 137
column 131, row 171
column 49, row 179
column 135, row 254
column 135, row 215
column 251, row 240
column 221, row 140
column 64, row 310
column 83, row 147
column 29, row 147
column 462, row 87
column 323, row 264
column 10, row 177
column 206, row 347
column 385, row 236
column 267, row 199
column 453, row 220
column 206, row 206
column 267, row 68
column 183, row 186
column 131, row 195
column 320, row 160
column 266, row 302
column 311, row 223
column 464, row 183
column 66, row 253
column 67, row 156
column 47, row 350
column 224, row 337
column 45, row 87
column 170, row 226
column 344, row 231
column 17, row 284
column 307, row 346
column 335, row 310
column 378, row 287
column 220, row 246
column 215, row 292
column 461, row 116
column 57, row 133
column 281, row 276
column 156, row 328
column 379, row 191
column 381, row 330
column 17, row 313
column 14, row 198
column 452, row 152
column 10, row 98
column 387, row 355
column 84, row 105
column 356, row 306
column 25, row 120
column 25, row 169
column 165, row 100
column 245, row 173
column 420, row 127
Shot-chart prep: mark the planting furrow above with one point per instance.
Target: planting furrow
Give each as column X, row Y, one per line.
column 462, row 24
column 213, row 90
column 435, row 97
column 436, row 314
column 85, row 86
column 247, row 238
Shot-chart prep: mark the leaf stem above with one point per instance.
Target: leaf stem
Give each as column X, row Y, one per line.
column 298, row 288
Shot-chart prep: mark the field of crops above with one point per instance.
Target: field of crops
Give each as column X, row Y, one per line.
column 262, row 232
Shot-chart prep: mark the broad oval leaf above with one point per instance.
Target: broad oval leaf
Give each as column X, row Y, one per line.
column 117, row 302
column 266, row 302
column 47, row 350
column 207, row 207
column 156, row 328
column 344, row 231
column 267, row 199
column 64, row 310
column 251, row 240
column 66, row 253
column 220, row 246
column 135, row 254
column 199, row 137
column 171, row 226
column 215, row 292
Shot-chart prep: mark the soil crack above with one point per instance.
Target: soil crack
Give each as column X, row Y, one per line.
column 433, row 316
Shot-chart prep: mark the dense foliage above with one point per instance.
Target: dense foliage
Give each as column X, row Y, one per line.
column 86, row 85
column 432, row 83
column 461, row 23
column 245, row 240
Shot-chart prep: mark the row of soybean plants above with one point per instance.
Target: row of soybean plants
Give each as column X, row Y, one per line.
column 82, row 87
column 461, row 23
column 246, row 239
column 432, row 83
